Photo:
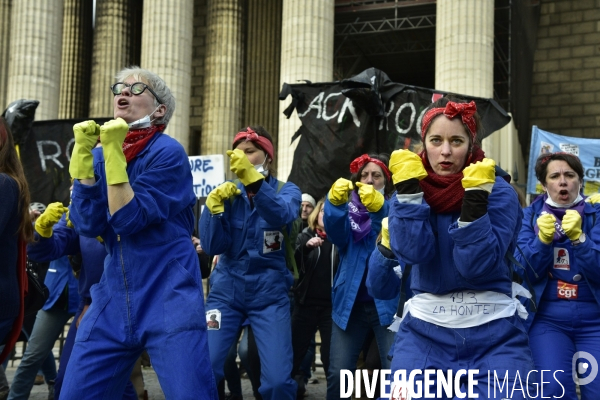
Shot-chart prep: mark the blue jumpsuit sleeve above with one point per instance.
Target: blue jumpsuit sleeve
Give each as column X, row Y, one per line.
column 278, row 208
column 411, row 237
column 160, row 192
column 481, row 246
column 337, row 224
column 536, row 253
column 382, row 282
column 89, row 206
column 64, row 241
column 588, row 252
column 214, row 231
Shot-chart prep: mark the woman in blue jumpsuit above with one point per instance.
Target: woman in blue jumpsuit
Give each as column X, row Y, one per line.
column 245, row 221
column 136, row 193
column 448, row 223
column 560, row 240
column 353, row 213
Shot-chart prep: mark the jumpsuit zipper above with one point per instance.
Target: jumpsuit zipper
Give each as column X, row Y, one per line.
column 125, row 280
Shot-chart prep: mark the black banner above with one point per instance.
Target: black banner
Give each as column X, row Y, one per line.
column 45, row 156
column 365, row 114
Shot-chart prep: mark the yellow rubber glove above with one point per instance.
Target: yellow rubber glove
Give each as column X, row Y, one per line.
column 243, row 168
column 338, row 194
column 385, row 233
column 480, row 176
column 405, row 165
column 112, row 136
column 371, row 198
column 45, row 222
column 81, row 165
column 545, row 223
column 69, row 223
column 571, row 224
column 593, row 199
column 216, row 198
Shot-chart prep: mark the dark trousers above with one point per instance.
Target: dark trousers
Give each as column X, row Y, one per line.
column 305, row 322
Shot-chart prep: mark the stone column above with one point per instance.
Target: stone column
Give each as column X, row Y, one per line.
column 76, row 59
column 35, row 53
column 223, row 76
column 5, row 7
column 113, row 35
column 464, row 50
column 306, row 53
column 167, row 51
column 263, row 49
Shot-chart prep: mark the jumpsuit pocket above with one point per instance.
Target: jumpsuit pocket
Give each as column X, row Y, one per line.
column 101, row 296
column 183, row 301
column 221, row 287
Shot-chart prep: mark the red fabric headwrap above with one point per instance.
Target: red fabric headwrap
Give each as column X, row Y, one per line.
column 452, row 109
column 358, row 163
column 252, row 136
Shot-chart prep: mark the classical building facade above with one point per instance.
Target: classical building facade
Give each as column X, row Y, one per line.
column 226, row 60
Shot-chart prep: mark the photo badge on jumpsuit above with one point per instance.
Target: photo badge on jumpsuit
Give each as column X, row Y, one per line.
column 213, row 320
column 273, row 241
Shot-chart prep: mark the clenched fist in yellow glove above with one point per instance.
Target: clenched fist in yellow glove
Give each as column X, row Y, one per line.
column 371, row 198
column 405, row 165
column 216, row 198
column 593, row 199
column 81, row 165
column 243, row 168
column 45, row 222
column 571, row 224
column 480, row 175
column 385, row 233
column 545, row 223
column 112, row 136
column 338, row 194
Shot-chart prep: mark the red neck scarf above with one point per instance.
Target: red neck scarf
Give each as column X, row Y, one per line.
column 444, row 193
column 321, row 234
column 136, row 140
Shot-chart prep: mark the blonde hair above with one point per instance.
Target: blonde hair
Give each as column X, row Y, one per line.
column 313, row 218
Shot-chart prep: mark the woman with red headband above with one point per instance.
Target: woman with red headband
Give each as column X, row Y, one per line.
column 353, row 212
column 245, row 221
column 15, row 231
column 560, row 242
column 454, row 221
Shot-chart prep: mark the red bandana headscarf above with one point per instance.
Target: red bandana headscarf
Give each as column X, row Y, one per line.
column 251, row 136
column 136, row 140
column 444, row 193
column 359, row 162
column 452, row 109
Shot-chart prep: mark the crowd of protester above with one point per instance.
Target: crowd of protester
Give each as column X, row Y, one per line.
column 397, row 237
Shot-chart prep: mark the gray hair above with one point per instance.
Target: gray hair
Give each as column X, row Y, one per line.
column 157, row 84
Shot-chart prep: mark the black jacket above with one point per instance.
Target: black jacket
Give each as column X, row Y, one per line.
column 308, row 260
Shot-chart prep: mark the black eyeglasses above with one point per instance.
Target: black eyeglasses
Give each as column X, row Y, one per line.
column 136, row 88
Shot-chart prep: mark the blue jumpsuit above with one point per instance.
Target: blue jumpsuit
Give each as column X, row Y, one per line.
column 65, row 241
column 252, row 281
column 150, row 294
column 568, row 297
column 448, row 259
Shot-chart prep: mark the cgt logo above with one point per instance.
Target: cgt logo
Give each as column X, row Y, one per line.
column 588, row 367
